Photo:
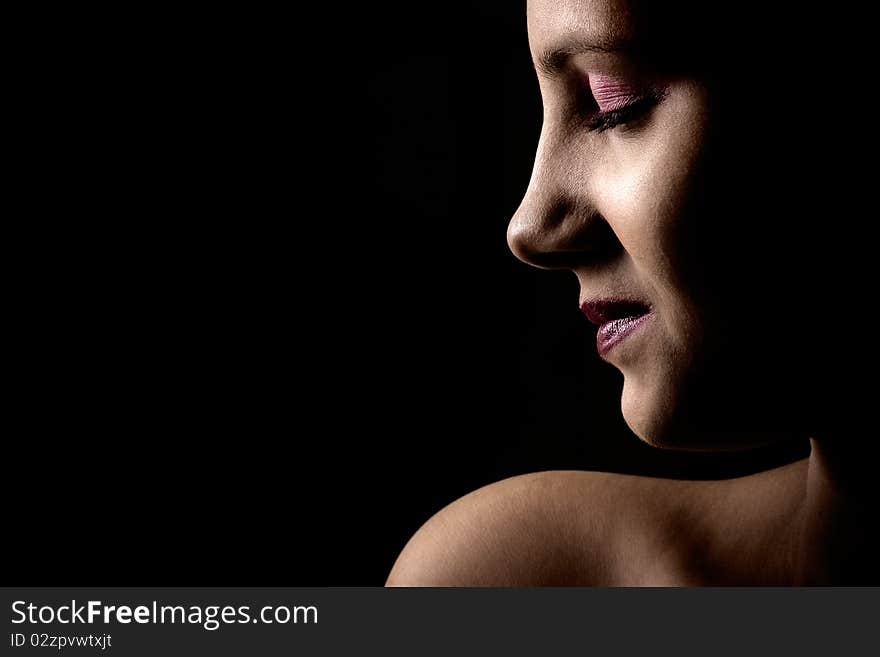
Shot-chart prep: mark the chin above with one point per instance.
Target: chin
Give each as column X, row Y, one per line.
column 662, row 417
column 643, row 414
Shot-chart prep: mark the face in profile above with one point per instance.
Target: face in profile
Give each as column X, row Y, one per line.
column 664, row 181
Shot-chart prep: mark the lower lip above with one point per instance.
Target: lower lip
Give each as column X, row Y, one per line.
column 616, row 331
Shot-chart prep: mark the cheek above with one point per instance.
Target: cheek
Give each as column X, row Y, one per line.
column 632, row 194
column 642, row 182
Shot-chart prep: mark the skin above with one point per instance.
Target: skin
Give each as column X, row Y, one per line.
column 654, row 210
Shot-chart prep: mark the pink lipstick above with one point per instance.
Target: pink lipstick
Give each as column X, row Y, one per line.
column 617, row 320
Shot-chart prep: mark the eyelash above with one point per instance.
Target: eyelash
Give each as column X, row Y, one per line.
column 600, row 121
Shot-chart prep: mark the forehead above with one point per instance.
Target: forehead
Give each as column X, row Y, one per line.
column 676, row 34
column 557, row 21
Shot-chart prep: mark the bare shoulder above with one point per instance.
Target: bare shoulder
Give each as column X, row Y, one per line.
column 550, row 528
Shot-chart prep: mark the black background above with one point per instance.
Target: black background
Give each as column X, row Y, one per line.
column 271, row 324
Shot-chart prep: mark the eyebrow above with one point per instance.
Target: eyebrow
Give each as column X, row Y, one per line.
column 552, row 61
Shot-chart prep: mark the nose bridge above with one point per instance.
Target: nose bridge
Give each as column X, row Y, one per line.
column 554, row 213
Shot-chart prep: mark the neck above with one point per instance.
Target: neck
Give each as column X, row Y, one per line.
column 837, row 541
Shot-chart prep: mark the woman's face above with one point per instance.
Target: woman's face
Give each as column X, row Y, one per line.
column 639, row 192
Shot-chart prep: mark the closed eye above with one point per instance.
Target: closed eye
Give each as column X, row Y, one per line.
column 601, row 120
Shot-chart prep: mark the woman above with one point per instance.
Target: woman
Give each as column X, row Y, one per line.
column 684, row 174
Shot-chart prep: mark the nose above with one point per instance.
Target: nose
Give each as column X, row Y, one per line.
column 557, row 225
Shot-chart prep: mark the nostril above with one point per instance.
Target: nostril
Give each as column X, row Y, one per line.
column 562, row 240
column 520, row 239
column 537, row 224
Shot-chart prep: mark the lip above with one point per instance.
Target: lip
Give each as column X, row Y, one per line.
column 617, row 320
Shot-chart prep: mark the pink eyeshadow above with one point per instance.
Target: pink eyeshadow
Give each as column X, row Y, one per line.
column 611, row 93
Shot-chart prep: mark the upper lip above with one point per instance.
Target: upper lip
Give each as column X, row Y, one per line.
column 601, row 311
